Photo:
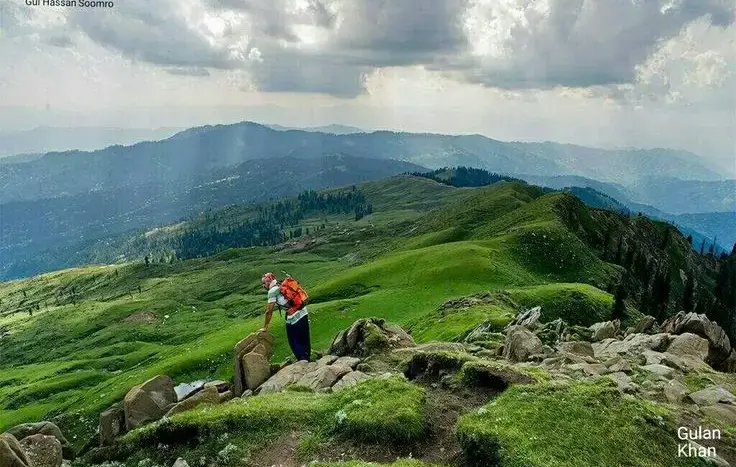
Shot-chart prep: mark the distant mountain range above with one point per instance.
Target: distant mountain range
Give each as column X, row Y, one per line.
column 334, row 129
column 45, row 139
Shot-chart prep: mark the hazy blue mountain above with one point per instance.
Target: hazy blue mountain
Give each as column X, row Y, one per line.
column 32, row 227
column 334, row 129
column 684, row 196
column 46, row 139
column 180, row 158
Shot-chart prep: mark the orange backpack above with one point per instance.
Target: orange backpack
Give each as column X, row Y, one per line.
column 294, row 293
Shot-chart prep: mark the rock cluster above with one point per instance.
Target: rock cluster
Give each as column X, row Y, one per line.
column 368, row 336
column 34, row 445
column 250, row 362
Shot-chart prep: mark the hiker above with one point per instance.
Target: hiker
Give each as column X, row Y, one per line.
column 288, row 295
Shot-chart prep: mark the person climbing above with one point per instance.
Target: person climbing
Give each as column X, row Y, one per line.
column 289, row 295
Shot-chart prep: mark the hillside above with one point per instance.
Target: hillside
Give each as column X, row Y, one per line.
column 424, row 243
column 48, row 234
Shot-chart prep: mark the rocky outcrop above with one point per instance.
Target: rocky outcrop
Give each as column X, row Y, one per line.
column 246, row 377
column 44, row 428
column 368, row 336
column 712, row 395
column 581, row 348
column 42, row 450
column 605, row 330
column 688, row 344
column 112, row 424
column 521, row 344
column 208, row 395
column 719, row 347
column 528, row 319
column 329, row 373
column 645, row 325
column 12, row 453
column 149, row 401
column 633, row 344
column 350, row 379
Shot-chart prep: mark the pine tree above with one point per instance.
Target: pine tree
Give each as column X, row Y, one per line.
column 619, row 250
column 690, row 240
column 688, row 294
column 702, row 247
column 619, row 304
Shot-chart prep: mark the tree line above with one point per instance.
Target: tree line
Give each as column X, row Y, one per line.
column 465, row 176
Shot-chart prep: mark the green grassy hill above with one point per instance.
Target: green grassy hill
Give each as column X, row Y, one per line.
column 72, row 342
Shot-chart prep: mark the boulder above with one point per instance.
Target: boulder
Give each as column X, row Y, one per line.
column 112, row 424
column 582, row 348
column 327, row 359
column 712, row 395
column 604, row 330
column 12, row 453
column 689, row 344
column 645, row 325
column 675, row 391
column 221, row 386
column 208, row 395
column 225, row 396
column 44, row 428
column 369, row 336
column 723, row 414
column 661, row 371
column 349, row 362
column 185, row 390
column 42, row 450
column 719, row 347
column 288, row 375
column 256, row 370
column 350, row 379
column 623, row 382
column 149, row 401
column 323, row 377
column 260, row 342
column 528, row 319
column 590, row 369
column 633, row 345
column 622, row 366
column 180, row 463
column 520, row 344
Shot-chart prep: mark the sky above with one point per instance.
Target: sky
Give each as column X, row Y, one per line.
column 607, row 73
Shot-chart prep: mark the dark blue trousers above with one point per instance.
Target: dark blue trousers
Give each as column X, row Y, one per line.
column 299, row 341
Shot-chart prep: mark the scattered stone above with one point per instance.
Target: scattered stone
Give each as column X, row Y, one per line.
column 12, row 453
column 225, row 396
column 287, row 376
column 245, row 346
column 604, row 330
column 327, row 359
column 689, row 344
column 112, row 424
column 633, row 345
column 349, row 362
column 149, row 401
column 712, row 395
column 675, row 391
column 368, row 336
column 247, row 393
column 350, row 379
column 185, row 390
column 719, row 348
column 595, row 369
column 221, row 386
column 527, row 319
column 723, row 414
column 622, row 366
column 323, row 377
column 256, row 370
column 364, row 367
column 521, row 344
column 645, row 325
column 42, row 450
column 659, row 370
column 44, row 428
column 623, row 381
column 582, row 348
column 553, row 332
column 208, row 395
column 180, row 463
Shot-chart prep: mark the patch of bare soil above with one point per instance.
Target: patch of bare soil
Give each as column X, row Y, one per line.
column 141, row 317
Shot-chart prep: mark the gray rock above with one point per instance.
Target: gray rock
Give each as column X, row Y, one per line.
column 256, row 370
column 528, row 319
column 659, row 370
column 148, row 402
column 180, row 463
column 604, row 330
column 185, row 390
column 44, row 428
column 622, row 366
column 12, row 453
column 226, row 396
column 723, row 414
column 259, row 342
column 247, row 393
column 350, row 379
column 323, row 377
column 645, row 325
column 689, row 344
column 520, row 344
column 208, row 395
column 623, row 381
column 675, row 391
column 712, row 395
column 349, row 362
column 327, row 359
column 582, row 348
column 716, row 460
column 595, row 369
column 633, row 345
column 112, row 424
column 719, row 348
column 288, row 375
column 42, row 450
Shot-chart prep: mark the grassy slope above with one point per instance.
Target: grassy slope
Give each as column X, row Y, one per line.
column 90, row 356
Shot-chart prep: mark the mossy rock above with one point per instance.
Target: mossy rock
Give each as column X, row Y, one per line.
column 494, row 375
column 570, row 425
column 432, row 366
